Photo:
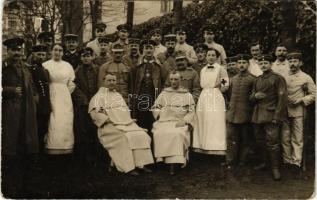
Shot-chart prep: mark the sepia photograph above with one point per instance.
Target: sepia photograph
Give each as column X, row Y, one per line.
column 158, row 99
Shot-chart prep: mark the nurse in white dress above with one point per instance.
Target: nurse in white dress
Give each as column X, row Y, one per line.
column 209, row 135
column 60, row 136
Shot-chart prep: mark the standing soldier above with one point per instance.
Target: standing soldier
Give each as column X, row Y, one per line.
column 183, row 46
column 19, row 125
column 301, row 92
column 156, row 36
column 123, row 34
column 149, row 79
column 99, row 32
column 209, row 37
column 71, row 55
column 281, row 64
column 167, row 59
column 232, row 67
column 104, row 56
column 120, row 70
column 133, row 58
column 254, row 67
column 201, row 51
column 239, row 112
column 41, row 81
column 189, row 78
column 46, row 38
column 270, row 97
column 86, row 140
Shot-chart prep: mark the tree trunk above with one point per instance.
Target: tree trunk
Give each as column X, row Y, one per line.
column 130, row 12
column 178, row 11
column 288, row 31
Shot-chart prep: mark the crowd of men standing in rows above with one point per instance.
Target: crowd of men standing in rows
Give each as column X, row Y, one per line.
column 265, row 99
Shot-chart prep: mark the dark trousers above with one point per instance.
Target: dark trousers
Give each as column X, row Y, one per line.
column 145, row 120
column 268, row 140
column 238, row 142
column 42, row 127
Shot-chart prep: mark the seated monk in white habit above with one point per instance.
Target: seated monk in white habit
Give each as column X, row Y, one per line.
column 174, row 111
column 129, row 146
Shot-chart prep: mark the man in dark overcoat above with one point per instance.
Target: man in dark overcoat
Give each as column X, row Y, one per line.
column 270, row 97
column 19, row 126
column 72, row 52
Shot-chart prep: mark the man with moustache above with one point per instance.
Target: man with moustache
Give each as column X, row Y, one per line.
column 301, row 92
column 181, row 45
column 174, row 110
column 123, row 31
column 104, row 56
column 120, row 70
column 167, row 59
column 100, row 31
column 156, row 36
column 189, row 78
column 41, row 82
column 133, row 58
column 209, row 37
column 239, row 112
column 269, row 96
column 71, row 54
column 254, row 68
column 149, row 80
column 281, row 64
column 19, row 125
column 201, row 51
column 45, row 39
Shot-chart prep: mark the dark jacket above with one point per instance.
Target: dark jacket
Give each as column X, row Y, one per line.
column 72, row 58
column 19, row 125
column 41, row 82
column 85, row 89
column 240, row 107
column 274, row 105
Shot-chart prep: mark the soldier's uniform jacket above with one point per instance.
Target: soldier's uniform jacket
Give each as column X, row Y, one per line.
column 72, row 58
column 132, row 62
column 86, row 80
column 240, row 107
column 102, row 59
column 41, row 82
column 167, row 60
column 18, row 113
column 123, row 74
column 273, row 106
column 189, row 80
column 199, row 65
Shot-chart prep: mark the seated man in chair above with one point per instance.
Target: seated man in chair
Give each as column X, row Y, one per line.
column 128, row 144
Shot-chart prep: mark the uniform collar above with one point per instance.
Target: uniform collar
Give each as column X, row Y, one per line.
column 245, row 73
column 295, row 74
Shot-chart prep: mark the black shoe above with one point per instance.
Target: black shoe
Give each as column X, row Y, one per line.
column 276, row 174
column 134, row 173
column 259, row 167
column 172, row 169
column 145, row 169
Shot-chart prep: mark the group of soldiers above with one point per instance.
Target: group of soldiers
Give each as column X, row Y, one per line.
column 266, row 99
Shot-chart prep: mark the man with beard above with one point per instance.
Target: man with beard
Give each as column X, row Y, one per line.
column 239, row 113
column 269, row 96
column 19, row 125
column 201, row 51
column 167, row 59
column 41, row 81
column 156, row 36
column 254, row 67
column 86, row 140
column 104, row 56
column 301, row 92
column 123, row 34
column 100, row 31
column 209, row 37
column 71, row 55
column 149, row 79
column 189, row 78
column 133, row 58
column 281, row 64
column 120, row 70
column 181, row 45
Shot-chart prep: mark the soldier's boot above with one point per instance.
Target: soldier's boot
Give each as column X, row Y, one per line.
column 275, row 162
column 172, row 169
column 243, row 156
column 263, row 153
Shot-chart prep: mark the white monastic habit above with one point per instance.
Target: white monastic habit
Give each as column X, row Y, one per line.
column 170, row 142
column 210, row 125
column 60, row 136
column 129, row 146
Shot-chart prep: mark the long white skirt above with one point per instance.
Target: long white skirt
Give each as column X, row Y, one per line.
column 60, row 136
column 210, row 123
